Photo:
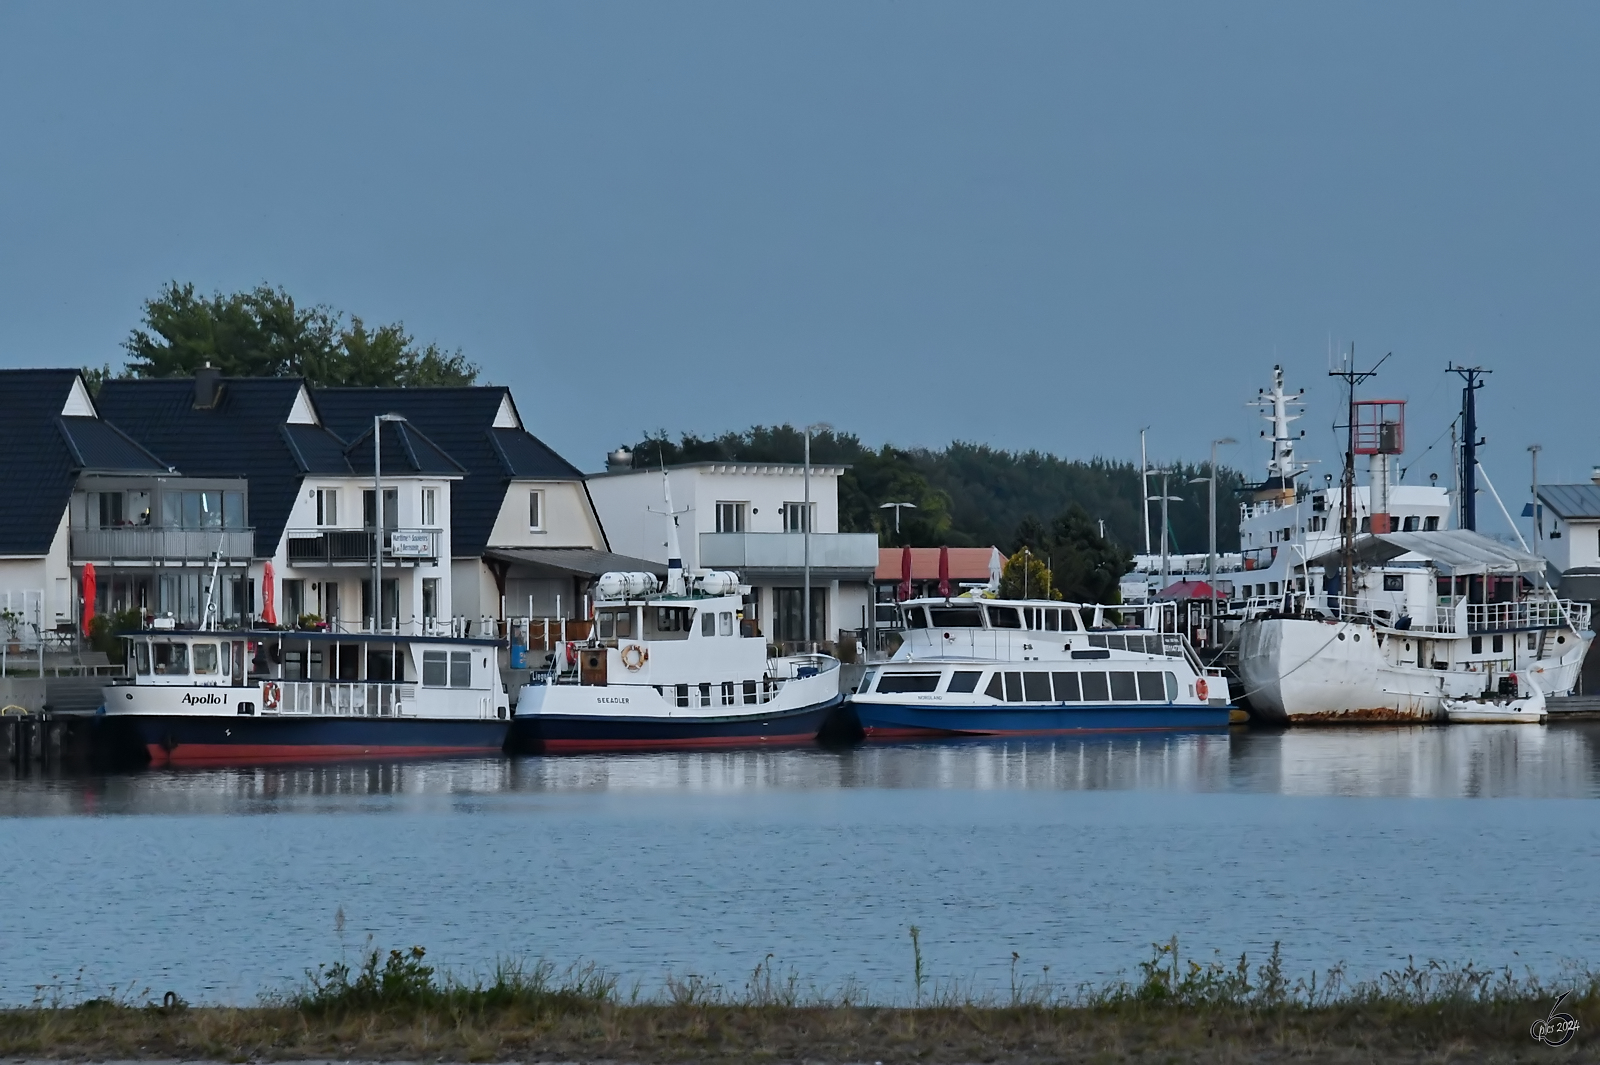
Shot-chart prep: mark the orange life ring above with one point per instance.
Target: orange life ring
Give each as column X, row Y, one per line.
column 572, row 653
column 1202, row 689
column 270, row 695
column 634, row 656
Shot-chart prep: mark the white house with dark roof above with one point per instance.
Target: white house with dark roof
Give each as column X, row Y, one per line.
column 525, row 536
column 315, row 496
column 749, row 517
column 1572, row 536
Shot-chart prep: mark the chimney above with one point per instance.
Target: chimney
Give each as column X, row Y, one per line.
column 207, row 387
column 622, row 459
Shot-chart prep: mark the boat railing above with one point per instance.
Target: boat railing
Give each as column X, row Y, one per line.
column 322, row 698
column 1527, row 614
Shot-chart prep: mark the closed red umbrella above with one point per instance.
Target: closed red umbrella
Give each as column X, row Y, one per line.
column 269, row 600
column 944, row 572
column 905, row 573
column 88, row 596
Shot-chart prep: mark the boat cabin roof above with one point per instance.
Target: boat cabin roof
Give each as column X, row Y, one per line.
column 1453, row 552
column 266, row 635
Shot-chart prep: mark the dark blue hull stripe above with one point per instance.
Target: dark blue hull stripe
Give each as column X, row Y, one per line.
column 541, row 731
column 1001, row 719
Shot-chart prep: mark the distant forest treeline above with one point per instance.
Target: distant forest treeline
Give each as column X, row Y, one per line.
column 972, row 495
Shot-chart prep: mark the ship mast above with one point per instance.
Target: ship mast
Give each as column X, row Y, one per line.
column 1347, row 519
column 1468, row 500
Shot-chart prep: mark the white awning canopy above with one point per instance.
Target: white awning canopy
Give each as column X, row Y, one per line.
column 1453, row 552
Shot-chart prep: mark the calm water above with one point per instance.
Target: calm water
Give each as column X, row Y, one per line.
column 1356, row 846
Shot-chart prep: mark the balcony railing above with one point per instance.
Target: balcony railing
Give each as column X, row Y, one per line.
column 142, row 542
column 326, row 547
column 786, row 551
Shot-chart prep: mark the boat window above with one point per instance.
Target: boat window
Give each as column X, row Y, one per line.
column 750, row 692
column 1066, row 687
column 436, row 669
column 1052, row 621
column 1171, row 645
column 725, row 623
column 171, row 659
column 380, row 663
column 956, row 617
column 908, row 682
column 683, row 695
column 1069, row 621
column 964, row 680
column 915, row 618
column 605, row 625
column 996, row 689
column 708, row 623
column 1036, row 686
column 205, row 658
column 1003, row 617
column 1172, row 686
column 1094, row 687
column 141, row 657
column 1152, row 689
column 1123, row 688
column 671, row 622
column 705, row 693
column 866, row 681
column 1013, row 687
column 460, row 669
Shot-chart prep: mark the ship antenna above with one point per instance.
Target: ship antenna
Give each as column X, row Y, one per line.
column 1352, row 377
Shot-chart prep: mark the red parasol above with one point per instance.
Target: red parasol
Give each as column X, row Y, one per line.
column 269, row 600
column 88, row 596
column 944, row 572
column 905, row 573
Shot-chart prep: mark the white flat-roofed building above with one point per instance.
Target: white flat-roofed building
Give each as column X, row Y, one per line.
column 750, row 517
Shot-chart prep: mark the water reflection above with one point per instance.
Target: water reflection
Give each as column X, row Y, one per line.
column 1464, row 762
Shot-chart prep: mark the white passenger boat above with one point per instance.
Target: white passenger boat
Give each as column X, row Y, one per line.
column 210, row 697
column 974, row 666
column 673, row 670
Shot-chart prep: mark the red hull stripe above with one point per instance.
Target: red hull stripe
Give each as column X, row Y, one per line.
column 224, row 753
column 687, row 743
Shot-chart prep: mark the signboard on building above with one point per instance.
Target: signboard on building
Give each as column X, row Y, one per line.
column 411, row 543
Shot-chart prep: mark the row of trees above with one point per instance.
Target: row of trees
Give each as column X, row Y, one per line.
column 263, row 332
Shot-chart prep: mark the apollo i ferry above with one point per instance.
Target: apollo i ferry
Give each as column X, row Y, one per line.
column 972, row 666
column 219, row 697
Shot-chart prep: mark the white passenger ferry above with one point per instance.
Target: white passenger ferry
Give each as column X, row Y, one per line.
column 1038, row 667
column 208, row 697
column 673, row 670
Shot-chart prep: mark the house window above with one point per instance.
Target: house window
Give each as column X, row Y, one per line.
column 730, row 517
column 110, row 509
column 430, row 598
column 794, row 517
column 535, row 511
column 327, row 506
column 294, row 602
column 391, row 509
column 430, row 506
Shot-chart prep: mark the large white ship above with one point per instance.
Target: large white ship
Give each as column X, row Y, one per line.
column 1430, row 613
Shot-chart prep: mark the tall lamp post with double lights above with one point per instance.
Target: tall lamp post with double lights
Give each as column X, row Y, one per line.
column 1211, row 557
column 377, row 518
column 805, row 529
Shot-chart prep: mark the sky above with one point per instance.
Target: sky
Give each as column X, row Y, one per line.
column 1036, row 226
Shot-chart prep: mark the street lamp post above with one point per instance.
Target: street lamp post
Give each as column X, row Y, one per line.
column 1538, row 519
column 805, row 529
column 898, row 507
column 1211, row 543
column 377, row 518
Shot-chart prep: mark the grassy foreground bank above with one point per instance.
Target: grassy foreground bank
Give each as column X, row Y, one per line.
column 398, row 1008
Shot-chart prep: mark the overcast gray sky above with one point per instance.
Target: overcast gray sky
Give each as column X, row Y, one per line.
column 1032, row 225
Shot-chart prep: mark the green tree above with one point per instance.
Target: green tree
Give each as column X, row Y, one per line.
column 1025, row 576
column 1086, row 567
column 264, row 333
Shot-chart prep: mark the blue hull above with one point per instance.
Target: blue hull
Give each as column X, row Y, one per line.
column 550, row 733
column 898, row 721
column 184, row 740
